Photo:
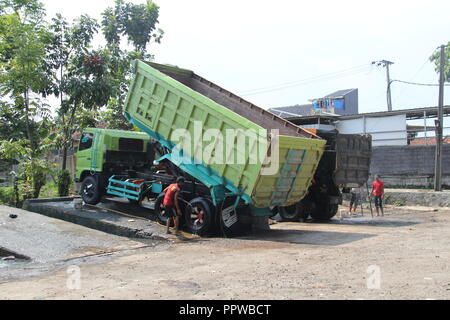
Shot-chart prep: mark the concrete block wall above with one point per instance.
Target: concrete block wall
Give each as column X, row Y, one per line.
column 409, row 166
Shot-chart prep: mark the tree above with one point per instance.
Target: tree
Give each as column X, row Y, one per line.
column 24, row 80
column 68, row 43
column 12, row 122
column 435, row 58
column 24, row 76
column 137, row 23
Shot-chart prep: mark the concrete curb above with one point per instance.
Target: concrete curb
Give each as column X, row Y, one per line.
column 58, row 199
column 84, row 217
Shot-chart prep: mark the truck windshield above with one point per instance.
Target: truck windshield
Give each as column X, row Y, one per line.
column 86, row 141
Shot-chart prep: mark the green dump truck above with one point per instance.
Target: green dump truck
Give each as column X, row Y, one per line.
column 240, row 161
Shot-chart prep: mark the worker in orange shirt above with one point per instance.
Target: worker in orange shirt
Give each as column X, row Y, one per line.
column 171, row 205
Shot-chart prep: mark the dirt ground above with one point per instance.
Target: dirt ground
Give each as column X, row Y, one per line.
column 404, row 255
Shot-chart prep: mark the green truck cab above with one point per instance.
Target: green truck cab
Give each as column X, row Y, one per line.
column 103, row 153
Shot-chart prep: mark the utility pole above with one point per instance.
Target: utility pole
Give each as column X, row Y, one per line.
column 439, row 126
column 386, row 64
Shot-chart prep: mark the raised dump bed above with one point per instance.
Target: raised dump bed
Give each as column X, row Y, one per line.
column 163, row 98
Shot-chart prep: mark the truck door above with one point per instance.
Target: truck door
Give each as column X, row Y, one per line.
column 84, row 154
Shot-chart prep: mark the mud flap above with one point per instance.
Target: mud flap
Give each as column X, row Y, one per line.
column 230, row 217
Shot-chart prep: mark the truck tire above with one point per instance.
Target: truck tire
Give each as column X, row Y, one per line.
column 300, row 210
column 90, row 190
column 198, row 216
column 324, row 211
column 159, row 209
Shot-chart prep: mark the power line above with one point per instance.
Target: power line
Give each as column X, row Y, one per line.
column 412, row 78
column 420, row 84
column 327, row 76
column 331, row 74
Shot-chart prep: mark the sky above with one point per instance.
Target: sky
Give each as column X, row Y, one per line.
column 247, row 44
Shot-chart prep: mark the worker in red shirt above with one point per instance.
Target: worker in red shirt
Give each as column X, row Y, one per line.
column 171, row 205
column 378, row 193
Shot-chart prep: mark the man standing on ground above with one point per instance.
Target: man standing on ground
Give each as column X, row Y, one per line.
column 378, row 193
column 355, row 199
column 171, row 205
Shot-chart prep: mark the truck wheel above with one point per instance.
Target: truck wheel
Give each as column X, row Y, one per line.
column 297, row 211
column 324, row 211
column 159, row 209
column 199, row 216
column 90, row 190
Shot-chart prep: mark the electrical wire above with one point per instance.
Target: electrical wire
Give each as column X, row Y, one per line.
column 327, row 76
column 306, row 80
column 420, row 84
column 412, row 78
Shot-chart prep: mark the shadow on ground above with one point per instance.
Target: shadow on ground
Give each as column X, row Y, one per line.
column 323, row 238
column 369, row 222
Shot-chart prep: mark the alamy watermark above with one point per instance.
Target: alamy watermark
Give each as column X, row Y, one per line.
column 73, row 281
column 374, row 277
column 229, row 146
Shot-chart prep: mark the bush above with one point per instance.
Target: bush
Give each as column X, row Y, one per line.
column 7, row 195
column 399, row 203
column 63, row 180
column 50, row 190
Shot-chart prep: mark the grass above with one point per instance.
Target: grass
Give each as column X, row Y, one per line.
column 399, row 203
column 49, row 190
column 6, row 195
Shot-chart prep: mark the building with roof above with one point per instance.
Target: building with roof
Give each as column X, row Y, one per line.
column 403, row 146
column 388, row 128
column 341, row 102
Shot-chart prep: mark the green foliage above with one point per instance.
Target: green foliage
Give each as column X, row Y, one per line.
column 39, row 58
column 12, row 122
column 13, row 149
column 88, row 82
column 399, row 203
column 64, row 180
column 25, row 70
column 29, row 11
column 135, row 21
column 7, row 195
column 23, row 40
column 435, row 58
column 33, row 167
column 50, row 190
column 24, row 76
column 81, row 77
column 120, row 75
